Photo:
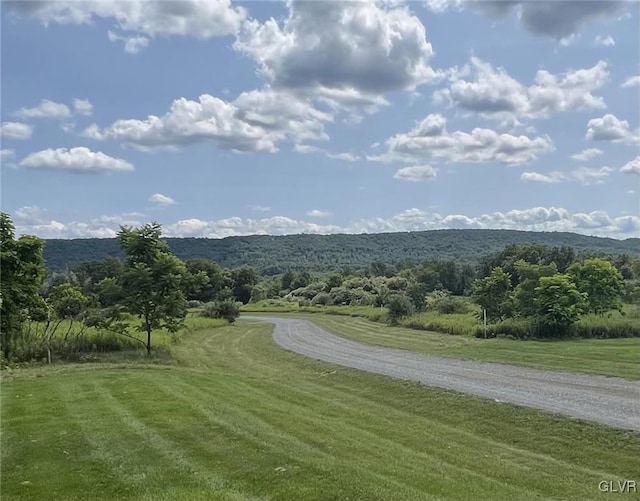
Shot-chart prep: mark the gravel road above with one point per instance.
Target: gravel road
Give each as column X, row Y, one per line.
column 607, row 400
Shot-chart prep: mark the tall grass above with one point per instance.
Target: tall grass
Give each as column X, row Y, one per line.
column 71, row 340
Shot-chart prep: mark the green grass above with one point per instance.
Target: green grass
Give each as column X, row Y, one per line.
column 612, row 357
column 236, row 417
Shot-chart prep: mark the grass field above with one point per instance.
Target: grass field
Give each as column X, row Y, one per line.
column 236, row 417
column 611, row 357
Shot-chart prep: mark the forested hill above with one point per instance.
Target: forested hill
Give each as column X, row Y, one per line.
column 276, row 254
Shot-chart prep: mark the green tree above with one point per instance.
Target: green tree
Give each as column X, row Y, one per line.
column 558, row 303
column 493, row 293
column 529, row 278
column 152, row 280
column 243, row 278
column 602, row 283
column 22, row 268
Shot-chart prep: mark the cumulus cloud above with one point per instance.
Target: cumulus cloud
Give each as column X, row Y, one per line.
column 633, row 81
column 46, row 109
column 78, row 160
column 161, row 200
column 255, row 121
column 586, row 155
column 347, row 53
column 83, row 107
column 15, row 130
column 429, row 139
column 532, row 219
column 142, row 19
column 492, row 92
column 416, row 173
column 631, row 167
column 537, row 177
column 557, row 19
column 610, row 128
column 318, row 213
column 607, row 41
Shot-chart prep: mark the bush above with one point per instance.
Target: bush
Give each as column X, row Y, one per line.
column 228, row 310
column 399, row 307
column 449, row 305
column 322, row 299
column 194, row 303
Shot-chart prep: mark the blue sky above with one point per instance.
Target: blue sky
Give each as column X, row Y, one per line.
column 218, row 118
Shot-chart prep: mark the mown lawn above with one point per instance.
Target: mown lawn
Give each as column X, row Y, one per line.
column 236, row 417
column 611, row 357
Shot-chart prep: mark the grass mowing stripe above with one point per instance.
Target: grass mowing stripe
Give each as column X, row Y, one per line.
column 169, row 449
column 362, row 443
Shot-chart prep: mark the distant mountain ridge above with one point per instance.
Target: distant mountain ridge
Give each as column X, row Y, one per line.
column 275, row 254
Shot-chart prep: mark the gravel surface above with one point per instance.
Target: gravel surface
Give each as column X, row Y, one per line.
column 607, row 400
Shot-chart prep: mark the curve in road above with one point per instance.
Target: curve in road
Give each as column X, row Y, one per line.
column 607, row 400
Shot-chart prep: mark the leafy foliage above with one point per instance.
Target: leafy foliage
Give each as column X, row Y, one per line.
column 601, row 282
column 22, row 267
column 493, row 293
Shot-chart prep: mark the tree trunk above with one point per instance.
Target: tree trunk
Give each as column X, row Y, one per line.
column 148, row 326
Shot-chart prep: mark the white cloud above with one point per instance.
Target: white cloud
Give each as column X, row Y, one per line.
column 533, row 219
column 416, row 173
column 318, row 213
column 633, row 81
column 83, row 107
column 46, row 109
column 494, row 93
column 429, row 139
column 537, row 177
column 560, row 20
column 5, row 154
column 15, row 130
column 255, row 121
column 79, row 160
column 586, row 155
column 260, row 208
column 347, row 53
column 161, row 200
column 132, row 44
column 631, row 167
column 195, row 18
column 607, row 41
column 591, row 175
column 610, row 128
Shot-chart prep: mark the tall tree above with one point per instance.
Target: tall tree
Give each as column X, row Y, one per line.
column 22, row 267
column 529, row 278
column 558, row 303
column 493, row 293
column 152, row 280
column 602, row 283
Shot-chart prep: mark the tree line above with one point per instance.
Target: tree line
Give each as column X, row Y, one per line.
column 151, row 288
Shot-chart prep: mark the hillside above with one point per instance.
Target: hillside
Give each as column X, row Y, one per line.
column 276, row 254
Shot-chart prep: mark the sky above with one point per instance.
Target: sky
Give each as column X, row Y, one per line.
column 218, row 119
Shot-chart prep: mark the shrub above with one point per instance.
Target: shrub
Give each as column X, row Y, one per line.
column 399, row 306
column 194, row 303
column 450, row 305
column 322, row 299
column 228, row 310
